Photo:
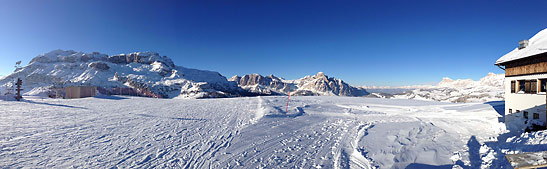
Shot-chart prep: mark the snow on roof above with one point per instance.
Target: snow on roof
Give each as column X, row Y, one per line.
column 537, row 45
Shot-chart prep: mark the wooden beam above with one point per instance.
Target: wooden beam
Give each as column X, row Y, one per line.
column 527, row 160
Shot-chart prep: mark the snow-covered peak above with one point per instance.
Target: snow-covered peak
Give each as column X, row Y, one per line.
column 492, row 79
column 536, row 45
column 144, row 72
column 459, row 83
column 446, row 80
column 488, row 88
column 68, row 56
column 54, row 56
column 275, row 78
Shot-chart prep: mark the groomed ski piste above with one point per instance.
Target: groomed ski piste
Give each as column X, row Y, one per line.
column 255, row 132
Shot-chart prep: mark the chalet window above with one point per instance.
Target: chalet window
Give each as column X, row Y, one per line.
column 525, row 113
column 521, row 86
column 542, row 85
column 513, row 86
column 536, row 116
column 533, row 86
column 510, row 111
column 527, row 86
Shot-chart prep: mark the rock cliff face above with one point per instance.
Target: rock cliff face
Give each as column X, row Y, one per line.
column 317, row 85
column 262, row 85
column 70, row 56
column 323, row 85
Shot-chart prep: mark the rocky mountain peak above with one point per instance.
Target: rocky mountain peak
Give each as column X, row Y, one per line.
column 319, row 84
column 321, row 76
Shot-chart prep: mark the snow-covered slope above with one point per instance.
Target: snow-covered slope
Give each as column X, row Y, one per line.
column 316, row 85
column 145, row 73
column 248, row 132
column 488, row 88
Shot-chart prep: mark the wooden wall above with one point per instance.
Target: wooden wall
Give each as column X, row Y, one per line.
column 73, row 92
column 530, row 65
column 526, row 69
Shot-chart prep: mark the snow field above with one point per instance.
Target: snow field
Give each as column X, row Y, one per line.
column 255, row 132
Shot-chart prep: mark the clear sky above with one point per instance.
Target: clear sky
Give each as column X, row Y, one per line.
column 362, row 42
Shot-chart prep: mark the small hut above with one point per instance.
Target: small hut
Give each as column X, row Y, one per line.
column 73, row 92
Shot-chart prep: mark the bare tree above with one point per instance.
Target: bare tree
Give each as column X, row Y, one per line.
column 9, row 88
column 58, row 84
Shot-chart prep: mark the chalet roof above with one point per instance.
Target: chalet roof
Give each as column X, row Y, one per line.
column 536, row 45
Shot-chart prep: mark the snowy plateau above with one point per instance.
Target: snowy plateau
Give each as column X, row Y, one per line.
column 427, row 127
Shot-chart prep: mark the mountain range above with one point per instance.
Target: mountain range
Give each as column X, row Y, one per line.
column 488, row 88
column 316, row 85
column 152, row 75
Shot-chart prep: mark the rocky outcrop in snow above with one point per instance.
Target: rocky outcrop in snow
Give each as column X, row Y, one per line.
column 317, row 85
column 145, row 73
column 262, row 85
column 488, row 88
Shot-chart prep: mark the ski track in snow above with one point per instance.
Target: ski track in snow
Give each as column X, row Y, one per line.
column 255, row 132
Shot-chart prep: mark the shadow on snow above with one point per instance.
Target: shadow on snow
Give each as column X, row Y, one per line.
column 52, row 104
column 111, row 97
column 173, row 118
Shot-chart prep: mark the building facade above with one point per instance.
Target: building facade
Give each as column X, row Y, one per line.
column 525, row 83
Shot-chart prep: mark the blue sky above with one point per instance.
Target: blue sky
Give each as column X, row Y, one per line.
column 362, row 42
